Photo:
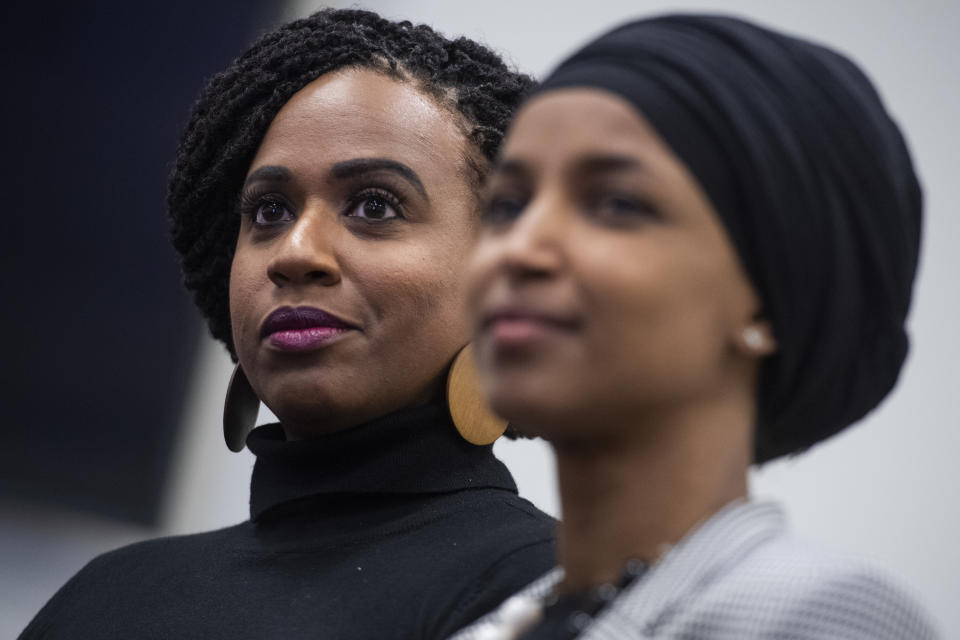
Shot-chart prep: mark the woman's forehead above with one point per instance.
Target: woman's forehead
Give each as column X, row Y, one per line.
column 567, row 125
column 357, row 113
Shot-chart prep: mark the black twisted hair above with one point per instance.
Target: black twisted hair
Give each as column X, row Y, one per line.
column 237, row 106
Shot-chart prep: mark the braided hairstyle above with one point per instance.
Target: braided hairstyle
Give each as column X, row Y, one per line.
column 237, row 106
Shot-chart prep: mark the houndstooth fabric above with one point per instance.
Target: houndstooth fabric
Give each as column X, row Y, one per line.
column 741, row 576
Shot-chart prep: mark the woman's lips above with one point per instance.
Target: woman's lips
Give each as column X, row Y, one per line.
column 301, row 328
column 516, row 327
column 303, row 339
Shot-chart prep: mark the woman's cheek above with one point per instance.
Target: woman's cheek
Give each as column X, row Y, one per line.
column 242, row 289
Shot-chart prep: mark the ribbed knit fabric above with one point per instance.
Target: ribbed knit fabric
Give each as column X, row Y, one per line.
column 395, row 529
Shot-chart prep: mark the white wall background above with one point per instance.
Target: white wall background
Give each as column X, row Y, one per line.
column 886, row 489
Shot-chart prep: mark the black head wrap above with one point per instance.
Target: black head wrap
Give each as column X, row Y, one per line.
column 814, row 184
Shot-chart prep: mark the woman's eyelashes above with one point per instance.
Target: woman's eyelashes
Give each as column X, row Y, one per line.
column 619, row 208
column 369, row 206
column 502, row 209
column 265, row 209
column 375, row 206
column 604, row 206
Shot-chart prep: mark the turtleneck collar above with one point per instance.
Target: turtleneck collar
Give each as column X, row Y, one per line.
column 414, row 451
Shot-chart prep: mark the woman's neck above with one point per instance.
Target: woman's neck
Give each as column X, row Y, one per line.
column 633, row 495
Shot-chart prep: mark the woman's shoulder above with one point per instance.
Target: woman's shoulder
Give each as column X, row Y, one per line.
column 784, row 585
column 166, row 553
column 742, row 575
column 490, row 525
column 502, row 543
column 792, row 585
column 107, row 585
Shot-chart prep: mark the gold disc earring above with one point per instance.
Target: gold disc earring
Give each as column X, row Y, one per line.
column 240, row 410
column 471, row 414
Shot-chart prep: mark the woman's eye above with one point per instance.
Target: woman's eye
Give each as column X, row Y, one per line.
column 622, row 208
column 500, row 210
column 271, row 212
column 374, row 208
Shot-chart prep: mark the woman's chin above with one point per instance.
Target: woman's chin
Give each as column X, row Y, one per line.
column 307, row 415
column 531, row 415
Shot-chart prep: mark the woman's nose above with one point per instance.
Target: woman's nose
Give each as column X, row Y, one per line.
column 534, row 244
column 307, row 252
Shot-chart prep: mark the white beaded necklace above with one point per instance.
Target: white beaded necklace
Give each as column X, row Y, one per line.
column 520, row 613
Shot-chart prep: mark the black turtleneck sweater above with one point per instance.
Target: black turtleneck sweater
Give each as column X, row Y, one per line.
column 395, row 529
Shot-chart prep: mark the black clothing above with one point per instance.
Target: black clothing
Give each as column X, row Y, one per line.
column 815, row 187
column 395, row 529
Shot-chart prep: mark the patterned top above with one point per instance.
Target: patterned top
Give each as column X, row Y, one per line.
column 741, row 576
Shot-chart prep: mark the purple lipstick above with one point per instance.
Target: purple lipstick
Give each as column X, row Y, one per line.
column 302, row 328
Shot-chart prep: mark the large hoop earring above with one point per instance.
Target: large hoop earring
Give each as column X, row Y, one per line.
column 239, row 410
column 471, row 414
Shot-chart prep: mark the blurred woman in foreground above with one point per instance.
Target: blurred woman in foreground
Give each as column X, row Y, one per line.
column 699, row 248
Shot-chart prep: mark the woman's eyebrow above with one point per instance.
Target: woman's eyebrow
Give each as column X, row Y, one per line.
column 510, row 168
column 594, row 163
column 272, row 172
column 602, row 163
column 360, row 166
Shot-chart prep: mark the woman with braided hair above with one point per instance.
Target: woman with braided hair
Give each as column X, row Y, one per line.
column 324, row 201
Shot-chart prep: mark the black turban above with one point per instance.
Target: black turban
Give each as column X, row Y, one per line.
column 814, row 184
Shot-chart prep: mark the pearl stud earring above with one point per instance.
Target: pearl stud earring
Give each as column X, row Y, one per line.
column 753, row 338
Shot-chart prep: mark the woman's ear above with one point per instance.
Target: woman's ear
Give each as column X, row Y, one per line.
column 756, row 339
